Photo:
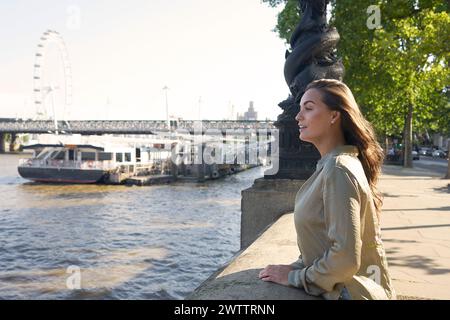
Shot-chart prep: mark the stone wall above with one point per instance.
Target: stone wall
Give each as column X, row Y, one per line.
column 238, row 279
column 264, row 203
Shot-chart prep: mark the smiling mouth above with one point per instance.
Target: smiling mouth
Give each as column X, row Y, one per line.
column 302, row 127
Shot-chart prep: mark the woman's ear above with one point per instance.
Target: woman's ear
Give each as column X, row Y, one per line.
column 335, row 115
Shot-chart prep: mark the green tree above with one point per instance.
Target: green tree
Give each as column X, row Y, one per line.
column 397, row 71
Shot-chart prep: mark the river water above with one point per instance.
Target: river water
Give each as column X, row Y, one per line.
column 115, row 242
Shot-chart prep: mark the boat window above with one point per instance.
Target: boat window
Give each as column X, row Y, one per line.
column 88, row 156
column 59, row 155
column 42, row 155
column 105, row 156
column 138, row 155
column 119, row 157
column 53, row 153
column 127, row 157
column 71, row 155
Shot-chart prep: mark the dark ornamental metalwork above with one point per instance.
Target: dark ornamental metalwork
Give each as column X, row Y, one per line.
column 312, row 56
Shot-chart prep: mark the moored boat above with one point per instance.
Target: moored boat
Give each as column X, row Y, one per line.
column 66, row 163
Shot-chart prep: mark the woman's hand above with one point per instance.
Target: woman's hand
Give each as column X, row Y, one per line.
column 276, row 273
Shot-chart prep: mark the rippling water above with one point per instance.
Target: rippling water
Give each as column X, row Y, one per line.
column 156, row 242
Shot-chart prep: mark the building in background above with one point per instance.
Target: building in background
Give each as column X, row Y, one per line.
column 250, row 114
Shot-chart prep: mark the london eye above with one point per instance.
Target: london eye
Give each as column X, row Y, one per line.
column 52, row 78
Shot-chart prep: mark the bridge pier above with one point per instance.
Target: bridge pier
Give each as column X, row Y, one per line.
column 14, row 145
column 2, row 142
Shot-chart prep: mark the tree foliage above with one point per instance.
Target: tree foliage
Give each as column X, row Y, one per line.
column 402, row 63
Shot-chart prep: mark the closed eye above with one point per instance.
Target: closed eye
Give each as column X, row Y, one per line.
column 307, row 105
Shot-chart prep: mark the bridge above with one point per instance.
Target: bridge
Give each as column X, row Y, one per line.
column 95, row 127
column 137, row 127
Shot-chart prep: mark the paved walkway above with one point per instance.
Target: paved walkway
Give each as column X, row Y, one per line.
column 416, row 231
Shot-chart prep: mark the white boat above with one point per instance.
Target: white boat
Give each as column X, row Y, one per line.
column 78, row 163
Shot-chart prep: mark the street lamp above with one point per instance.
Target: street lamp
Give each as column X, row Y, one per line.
column 167, row 107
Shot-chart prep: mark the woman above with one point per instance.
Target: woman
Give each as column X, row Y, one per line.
column 337, row 210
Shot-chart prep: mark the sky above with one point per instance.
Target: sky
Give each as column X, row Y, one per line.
column 214, row 56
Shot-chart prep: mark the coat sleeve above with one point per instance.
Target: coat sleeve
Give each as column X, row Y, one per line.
column 341, row 201
column 298, row 264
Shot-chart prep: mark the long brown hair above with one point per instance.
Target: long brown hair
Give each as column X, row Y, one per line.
column 357, row 130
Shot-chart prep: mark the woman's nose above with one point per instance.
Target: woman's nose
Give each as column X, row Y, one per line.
column 299, row 116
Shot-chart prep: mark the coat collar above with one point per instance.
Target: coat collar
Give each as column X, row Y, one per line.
column 339, row 150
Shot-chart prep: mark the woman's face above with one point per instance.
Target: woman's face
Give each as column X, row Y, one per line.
column 315, row 119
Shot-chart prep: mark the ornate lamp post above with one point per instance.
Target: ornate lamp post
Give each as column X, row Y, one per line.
column 312, row 56
column 166, row 88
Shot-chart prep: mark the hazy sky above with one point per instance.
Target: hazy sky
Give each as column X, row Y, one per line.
column 123, row 53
